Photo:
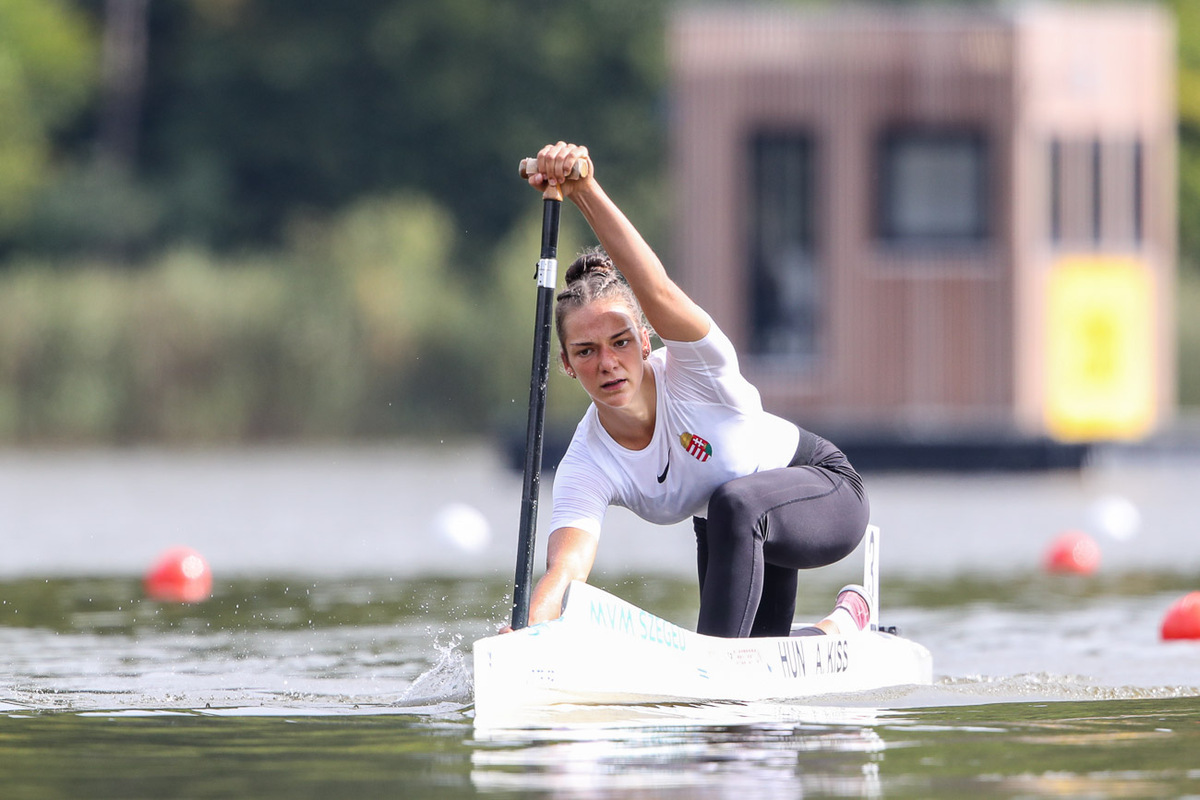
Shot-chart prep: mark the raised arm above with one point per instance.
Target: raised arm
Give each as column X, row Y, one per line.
column 669, row 310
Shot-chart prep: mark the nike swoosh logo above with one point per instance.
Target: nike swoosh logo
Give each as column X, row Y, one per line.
column 663, row 477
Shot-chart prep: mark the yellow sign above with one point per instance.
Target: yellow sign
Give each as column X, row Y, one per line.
column 1100, row 355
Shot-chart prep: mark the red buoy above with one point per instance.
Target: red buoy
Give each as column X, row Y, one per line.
column 180, row 575
column 1183, row 618
column 1075, row 552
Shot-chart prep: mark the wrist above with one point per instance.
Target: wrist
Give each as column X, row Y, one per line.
column 587, row 196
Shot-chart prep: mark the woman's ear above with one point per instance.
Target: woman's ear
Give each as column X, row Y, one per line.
column 566, row 365
column 645, row 343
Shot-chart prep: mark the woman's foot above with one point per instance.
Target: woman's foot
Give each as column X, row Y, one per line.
column 852, row 602
column 851, row 614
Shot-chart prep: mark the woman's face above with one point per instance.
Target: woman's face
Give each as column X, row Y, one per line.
column 604, row 346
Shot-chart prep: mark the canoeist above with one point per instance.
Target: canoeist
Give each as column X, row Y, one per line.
column 678, row 432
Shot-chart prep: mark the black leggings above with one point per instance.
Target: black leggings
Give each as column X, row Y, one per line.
column 764, row 527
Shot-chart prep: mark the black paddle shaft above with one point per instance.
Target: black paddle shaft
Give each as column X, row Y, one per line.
column 547, row 276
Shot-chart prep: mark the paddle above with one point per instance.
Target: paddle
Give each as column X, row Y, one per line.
column 547, row 276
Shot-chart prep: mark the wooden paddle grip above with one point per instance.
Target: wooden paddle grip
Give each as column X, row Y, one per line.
column 581, row 169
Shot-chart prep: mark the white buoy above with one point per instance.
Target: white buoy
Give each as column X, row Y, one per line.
column 1116, row 516
column 463, row 526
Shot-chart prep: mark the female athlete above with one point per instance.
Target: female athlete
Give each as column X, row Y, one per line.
column 678, row 432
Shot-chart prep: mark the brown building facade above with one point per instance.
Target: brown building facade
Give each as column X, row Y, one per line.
column 934, row 224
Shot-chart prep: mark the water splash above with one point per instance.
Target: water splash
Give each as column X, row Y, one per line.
column 449, row 680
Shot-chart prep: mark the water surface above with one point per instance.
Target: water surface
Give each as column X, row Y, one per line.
column 334, row 657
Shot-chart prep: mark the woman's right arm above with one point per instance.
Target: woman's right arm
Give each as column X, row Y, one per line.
column 570, row 553
column 668, row 309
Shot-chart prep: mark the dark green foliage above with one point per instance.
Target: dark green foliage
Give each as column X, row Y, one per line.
column 255, row 111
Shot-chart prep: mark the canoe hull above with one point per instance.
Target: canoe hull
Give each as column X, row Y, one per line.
column 603, row 650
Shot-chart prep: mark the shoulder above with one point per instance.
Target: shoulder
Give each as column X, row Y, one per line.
column 714, row 349
column 583, row 460
column 583, row 485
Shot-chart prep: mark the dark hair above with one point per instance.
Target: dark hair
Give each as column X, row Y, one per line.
column 593, row 276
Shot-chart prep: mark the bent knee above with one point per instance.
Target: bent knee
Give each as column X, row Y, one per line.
column 732, row 505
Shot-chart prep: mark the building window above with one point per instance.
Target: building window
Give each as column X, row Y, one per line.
column 786, row 291
column 1096, row 189
column 933, row 187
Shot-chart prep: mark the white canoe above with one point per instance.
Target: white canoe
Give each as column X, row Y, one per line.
column 605, row 651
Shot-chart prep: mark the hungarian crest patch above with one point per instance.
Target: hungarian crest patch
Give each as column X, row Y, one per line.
column 698, row 448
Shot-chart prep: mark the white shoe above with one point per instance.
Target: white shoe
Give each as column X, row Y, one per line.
column 855, row 601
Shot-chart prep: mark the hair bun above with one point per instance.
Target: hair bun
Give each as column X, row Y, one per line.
column 591, row 261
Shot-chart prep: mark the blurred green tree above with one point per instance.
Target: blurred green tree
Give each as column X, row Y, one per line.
column 47, row 73
column 256, row 111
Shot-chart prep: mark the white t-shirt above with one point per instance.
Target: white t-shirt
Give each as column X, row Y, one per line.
column 709, row 428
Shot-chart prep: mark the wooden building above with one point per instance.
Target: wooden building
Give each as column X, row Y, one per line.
column 939, row 225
